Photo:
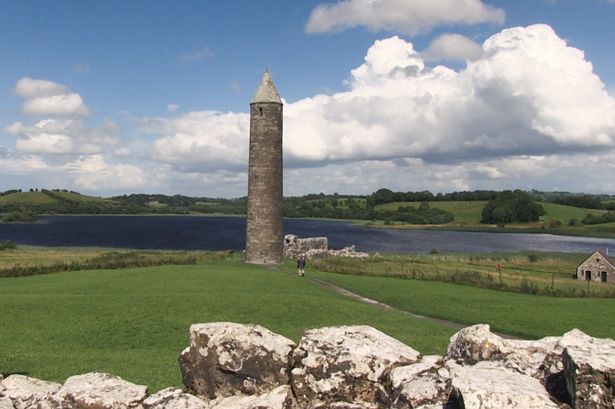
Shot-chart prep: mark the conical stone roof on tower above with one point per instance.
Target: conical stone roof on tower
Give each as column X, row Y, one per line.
column 264, row 230
column 267, row 91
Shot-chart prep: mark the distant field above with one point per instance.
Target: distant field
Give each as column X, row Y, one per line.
column 564, row 213
column 468, row 214
column 27, row 197
column 44, row 198
column 77, row 197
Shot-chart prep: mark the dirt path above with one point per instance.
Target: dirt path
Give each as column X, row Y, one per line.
column 345, row 293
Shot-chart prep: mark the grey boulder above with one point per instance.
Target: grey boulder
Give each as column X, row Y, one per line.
column 226, row 359
column 346, row 365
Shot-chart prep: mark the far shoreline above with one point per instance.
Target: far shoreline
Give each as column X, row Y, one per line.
column 517, row 229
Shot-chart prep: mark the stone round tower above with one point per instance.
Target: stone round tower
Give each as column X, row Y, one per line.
column 265, row 235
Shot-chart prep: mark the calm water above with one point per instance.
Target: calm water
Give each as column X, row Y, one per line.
column 218, row 233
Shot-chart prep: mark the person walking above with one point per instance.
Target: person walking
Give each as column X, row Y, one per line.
column 301, row 265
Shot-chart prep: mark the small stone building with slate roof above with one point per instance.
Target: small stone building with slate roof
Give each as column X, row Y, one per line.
column 597, row 267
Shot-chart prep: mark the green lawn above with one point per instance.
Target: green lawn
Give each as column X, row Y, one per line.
column 564, row 213
column 27, row 198
column 134, row 322
column 77, row 197
column 529, row 316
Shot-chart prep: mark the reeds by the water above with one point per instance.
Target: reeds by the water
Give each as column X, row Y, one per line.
column 111, row 260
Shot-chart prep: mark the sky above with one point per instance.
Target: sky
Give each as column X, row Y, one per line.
column 113, row 97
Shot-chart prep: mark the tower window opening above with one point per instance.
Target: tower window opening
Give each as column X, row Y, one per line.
column 260, row 111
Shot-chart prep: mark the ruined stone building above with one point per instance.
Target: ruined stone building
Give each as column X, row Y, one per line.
column 597, row 267
column 264, row 233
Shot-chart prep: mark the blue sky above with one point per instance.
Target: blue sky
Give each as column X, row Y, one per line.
column 108, row 97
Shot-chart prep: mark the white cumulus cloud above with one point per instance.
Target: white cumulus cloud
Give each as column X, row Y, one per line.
column 453, row 47
column 32, row 88
column 201, row 140
column 63, row 137
column 67, row 105
column 48, row 98
column 529, row 93
column 93, row 173
column 406, row 16
column 506, row 118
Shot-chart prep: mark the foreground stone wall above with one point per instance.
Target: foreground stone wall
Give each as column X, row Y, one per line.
column 237, row 366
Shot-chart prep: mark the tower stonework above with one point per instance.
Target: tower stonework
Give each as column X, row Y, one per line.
column 264, row 232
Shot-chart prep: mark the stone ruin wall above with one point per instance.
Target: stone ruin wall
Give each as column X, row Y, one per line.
column 236, row 366
column 316, row 247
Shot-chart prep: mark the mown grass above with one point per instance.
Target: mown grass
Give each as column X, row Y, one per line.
column 134, row 322
column 524, row 315
column 535, row 273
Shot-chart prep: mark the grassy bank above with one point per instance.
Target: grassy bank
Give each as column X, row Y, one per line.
column 134, row 322
column 34, row 261
column 468, row 216
column 525, row 272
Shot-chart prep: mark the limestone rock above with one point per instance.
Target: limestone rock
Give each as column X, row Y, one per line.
column 589, row 370
column 422, row 384
column 295, row 246
column 489, row 386
column 349, row 251
column 6, row 403
column 345, row 364
column 476, row 343
column 316, row 247
column 173, row 398
column 30, row 393
column 347, row 405
column 540, row 358
column 226, row 359
column 278, row 398
column 100, row 391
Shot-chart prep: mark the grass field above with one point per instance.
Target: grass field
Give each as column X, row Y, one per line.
column 27, row 198
column 524, row 272
column 467, row 212
column 134, row 322
column 524, row 315
column 44, row 198
column 77, row 197
column 468, row 215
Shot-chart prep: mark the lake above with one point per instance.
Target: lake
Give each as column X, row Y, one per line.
column 220, row 233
